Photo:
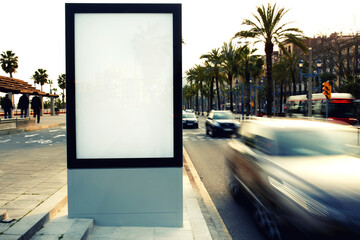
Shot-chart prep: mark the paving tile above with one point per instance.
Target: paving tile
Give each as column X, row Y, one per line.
column 42, row 191
column 32, row 197
column 47, row 237
column 8, row 196
column 57, row 228
column 174, row 234
column 15, row 213
column 134, row 233
column 2, row 203
column 4, row 226
column 23, row 204
column 104, row 231
column 13, row 190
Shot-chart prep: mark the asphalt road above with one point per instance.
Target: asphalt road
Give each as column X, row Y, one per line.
column 207, row 155
column 34, row 139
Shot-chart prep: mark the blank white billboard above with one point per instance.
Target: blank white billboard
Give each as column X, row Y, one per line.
column 124, row 85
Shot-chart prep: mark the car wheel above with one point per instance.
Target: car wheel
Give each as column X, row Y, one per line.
column 211, row 132
column 266, row 222
column 207, row 131
column 234, row 186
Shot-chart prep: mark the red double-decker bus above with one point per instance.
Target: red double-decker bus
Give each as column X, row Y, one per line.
column 341, row 107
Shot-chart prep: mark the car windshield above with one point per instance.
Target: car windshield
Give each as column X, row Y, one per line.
column 223, row 115
column 317, row 142
column 189, row 115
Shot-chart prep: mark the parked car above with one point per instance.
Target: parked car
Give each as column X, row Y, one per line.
column 189, row 110
column 299, row 173
column 190, row 120
column 221, row 123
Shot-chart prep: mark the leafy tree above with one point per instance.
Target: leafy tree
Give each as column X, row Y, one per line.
column 268, row 29
column 9, row 62
column 40, row 77
column 62, row 85
column 350, row 85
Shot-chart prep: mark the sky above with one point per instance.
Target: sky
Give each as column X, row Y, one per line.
column 35, row 30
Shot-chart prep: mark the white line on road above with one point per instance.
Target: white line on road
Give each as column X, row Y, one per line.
column 4, row 141
column 61, row 135
column 54, row 130
column 33, row 135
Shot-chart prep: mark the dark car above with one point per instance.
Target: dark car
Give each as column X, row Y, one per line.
column 221, row 123
column 190, row 120
column 298, row 173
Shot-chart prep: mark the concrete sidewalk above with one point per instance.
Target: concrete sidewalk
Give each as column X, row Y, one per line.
column 33, row 200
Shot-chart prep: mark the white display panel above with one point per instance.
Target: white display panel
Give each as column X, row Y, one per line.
column 124, row 85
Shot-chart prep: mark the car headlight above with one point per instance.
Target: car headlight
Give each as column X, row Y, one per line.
column 306, row 202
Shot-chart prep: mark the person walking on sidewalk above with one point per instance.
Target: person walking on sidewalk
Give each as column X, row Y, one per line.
column 23, row 105
column 36, row 106
column 7, row 105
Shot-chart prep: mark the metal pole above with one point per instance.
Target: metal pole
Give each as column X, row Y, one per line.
column 310, row 84
column 327, row 108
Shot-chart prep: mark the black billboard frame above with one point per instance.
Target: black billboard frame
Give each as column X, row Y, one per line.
column 72, row 161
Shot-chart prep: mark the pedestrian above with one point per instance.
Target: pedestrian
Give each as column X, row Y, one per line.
column 7, row 105
column 23, row 105
column 36, row 106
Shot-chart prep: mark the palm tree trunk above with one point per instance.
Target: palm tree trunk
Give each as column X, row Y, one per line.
column 293, row 82
column 281, row 95
column 211, row 94
column 231, row 93
column 197, row 103
column 218, row 92
column 202, row 99
column 269, row 48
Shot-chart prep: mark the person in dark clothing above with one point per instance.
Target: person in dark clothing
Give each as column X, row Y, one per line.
column 36, row 106
column 7, row 105
column 23, row 105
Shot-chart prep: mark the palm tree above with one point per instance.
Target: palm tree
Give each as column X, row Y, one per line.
column 40, row 77
column 247, row 59
column 268, row 29
column 197, row 76
column 9, row 62
column 256, row 71
column 214, row 65
column 230, row 64
column 291, row 61
column 62, row 84
column 50, row 82
column 282, row 76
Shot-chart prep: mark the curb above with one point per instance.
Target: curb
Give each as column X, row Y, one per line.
column 31, row 128
column 26, row 227
column 212, row 217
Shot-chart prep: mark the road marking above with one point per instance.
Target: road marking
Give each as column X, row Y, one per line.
column 4, row 141
column 41, row 141
column 54, row 130
column 31, row 135
column 61, row 135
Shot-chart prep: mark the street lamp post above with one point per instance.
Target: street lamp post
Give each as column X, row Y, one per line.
column 310, row 75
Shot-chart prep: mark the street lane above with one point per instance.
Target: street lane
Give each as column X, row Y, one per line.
column 40, row 138
column 207, row 155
